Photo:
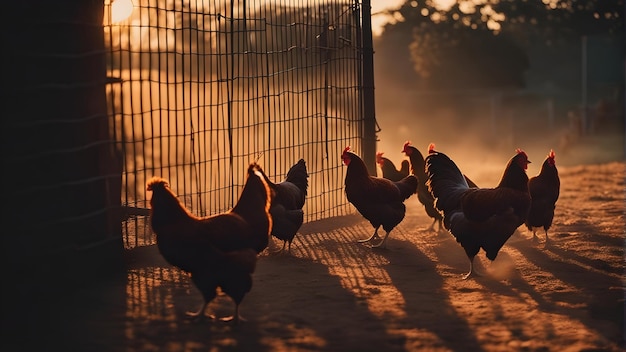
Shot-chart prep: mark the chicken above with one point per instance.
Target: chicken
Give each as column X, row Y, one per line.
column 377, row 199
column 219, row 250
column 479, row 217
column 389, row 169
column 544, row 192
column 288, row 200
column 423, row 194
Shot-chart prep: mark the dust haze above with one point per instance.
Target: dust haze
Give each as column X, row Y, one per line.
column 480, row 131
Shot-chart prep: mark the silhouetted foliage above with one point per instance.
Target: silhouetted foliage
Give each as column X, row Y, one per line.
column 485, row 45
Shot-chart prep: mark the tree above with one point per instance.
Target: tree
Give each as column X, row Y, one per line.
column 484, row 44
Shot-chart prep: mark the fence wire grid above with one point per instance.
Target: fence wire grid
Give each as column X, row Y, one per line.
column 199, row 89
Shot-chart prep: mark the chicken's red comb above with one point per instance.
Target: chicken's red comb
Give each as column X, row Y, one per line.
column 520, row 151
column 347, row 149
column 431, row 148
column 551, row 155
column 155, row 182
column 404, row 147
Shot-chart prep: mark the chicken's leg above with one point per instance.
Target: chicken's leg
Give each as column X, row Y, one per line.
column 432, row 226
column 383, row 243
column 441, row 229
column 372, row 237
column 282, row 249
column 547, row 243
column 472, row 271
column 535, row 238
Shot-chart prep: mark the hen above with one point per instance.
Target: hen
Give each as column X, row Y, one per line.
column 219, row 250
column 389, row 169
column 544, row 192
column 423, row 194
column 377, row 199
column 288, row 199
column 479, row 217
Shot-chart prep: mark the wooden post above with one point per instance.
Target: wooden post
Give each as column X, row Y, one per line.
column 63, row 179
column 369, row 109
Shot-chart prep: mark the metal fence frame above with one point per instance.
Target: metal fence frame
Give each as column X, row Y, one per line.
column 199, row 89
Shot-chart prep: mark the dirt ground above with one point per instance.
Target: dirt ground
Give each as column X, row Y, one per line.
column 334, row 294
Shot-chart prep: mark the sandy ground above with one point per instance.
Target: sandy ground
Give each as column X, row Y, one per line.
column 332, row 293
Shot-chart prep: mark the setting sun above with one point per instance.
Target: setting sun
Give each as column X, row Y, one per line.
column 121, row 10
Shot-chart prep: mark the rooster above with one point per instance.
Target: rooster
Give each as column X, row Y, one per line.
column 389, row 169
column 219, row 250
column 377, row 199
column 288, row 199
column 479, row 217
column 423, row 194
column 544, row 192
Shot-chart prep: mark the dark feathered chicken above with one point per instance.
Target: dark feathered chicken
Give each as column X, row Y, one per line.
column 389, row 169
column 219, row 250
column 544, row 192
column 378, row 199
column 288, row 199
column 479, row 217
column 423, row 194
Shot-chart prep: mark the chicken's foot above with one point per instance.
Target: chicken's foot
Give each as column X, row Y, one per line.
column 440, row 229
column 372, row 237
column 535, row 237
column 235, row 318
column 547, row 243
column 382, row 244
column 472, row 272
column 282, row 249
column 200, row 313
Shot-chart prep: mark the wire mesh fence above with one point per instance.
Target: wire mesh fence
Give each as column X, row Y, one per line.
column 200, row 88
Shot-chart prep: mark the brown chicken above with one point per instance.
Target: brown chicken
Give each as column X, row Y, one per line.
column 379, row 200
column 544, row 192
column 288, row 200
column 423, row 194
column 219, row 250
column 479, row 217
column 389, row 170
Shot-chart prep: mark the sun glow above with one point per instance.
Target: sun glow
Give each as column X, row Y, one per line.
column 121, row 10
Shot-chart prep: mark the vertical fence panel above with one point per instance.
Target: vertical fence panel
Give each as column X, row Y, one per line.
column 206, row 87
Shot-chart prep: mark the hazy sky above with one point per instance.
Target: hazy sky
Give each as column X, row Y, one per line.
column 379, row 19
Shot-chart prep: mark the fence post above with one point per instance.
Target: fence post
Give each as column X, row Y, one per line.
column 369, row 109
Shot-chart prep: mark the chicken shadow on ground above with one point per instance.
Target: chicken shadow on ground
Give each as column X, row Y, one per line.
column 330, row 310
column 438, row 316
column 599, row 291
column 292, row 299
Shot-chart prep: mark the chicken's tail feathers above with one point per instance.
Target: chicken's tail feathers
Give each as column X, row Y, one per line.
column 407, row 186
column 256, row 191
column 470, row 183
column 445, row 181
column 255, row 168
column 299, row 176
